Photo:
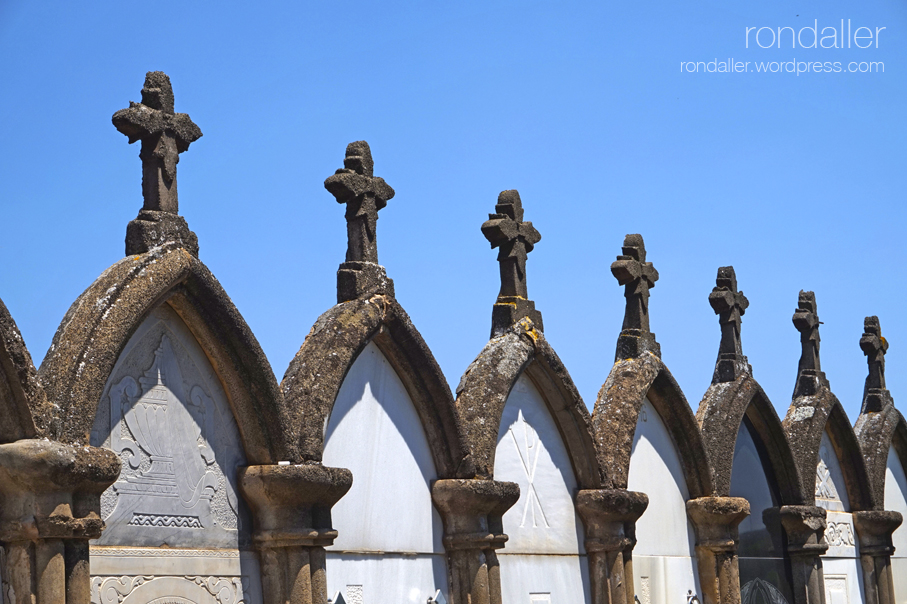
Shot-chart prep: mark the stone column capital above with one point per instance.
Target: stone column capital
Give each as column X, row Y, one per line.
column 716, row 520
column 472, row 510
column 874, row 529
column 606, row 514
column 805, row 529
column 291, row 503
column 42, row 487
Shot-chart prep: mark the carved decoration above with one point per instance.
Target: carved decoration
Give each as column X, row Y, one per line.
column 528, row 446
column 840, row 534
column 758, row 591
column 116, row 590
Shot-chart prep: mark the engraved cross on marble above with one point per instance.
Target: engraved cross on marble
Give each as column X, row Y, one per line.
column 806, row 320
column 364, row 195
column 164, row 135
column 730, row 305
column 514, row 239
column 874, row 346
column 637, row 276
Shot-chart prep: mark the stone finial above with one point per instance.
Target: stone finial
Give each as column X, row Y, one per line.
column 164, row 135
column 730, row 305
column 874, row 346
column 637, row 276
column 364, row 194
column 806, row 320
column 514, row 239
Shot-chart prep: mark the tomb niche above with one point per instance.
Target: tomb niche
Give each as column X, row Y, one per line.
column 882, row 434
column 831, row 465
column 154, row 364
column 649, row 436
column 370, row 397
column 526, row 424
column 751, row 456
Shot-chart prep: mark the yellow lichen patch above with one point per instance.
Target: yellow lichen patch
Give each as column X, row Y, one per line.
column 529, row 329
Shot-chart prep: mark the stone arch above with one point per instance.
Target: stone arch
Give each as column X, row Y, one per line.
column 617, row 412
column 720, row 415
column 486, row 386
column 101, row 321
column 315, row 375
column 23, row 406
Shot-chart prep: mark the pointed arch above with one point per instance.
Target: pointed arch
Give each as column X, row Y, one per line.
column 877, row 432
column 720, row 415
column 485, row 387
column 101, row 321
column 616, row 414
column 315, row 375
column 807, row 419
column 23, row 406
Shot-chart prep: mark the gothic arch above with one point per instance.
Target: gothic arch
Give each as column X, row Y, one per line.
column 617, row 410
column 313, row 379
column 720, row 416
column 807, row 420
column 876, row 432
column 485, row 388
column 23, row 406
column 100, row 322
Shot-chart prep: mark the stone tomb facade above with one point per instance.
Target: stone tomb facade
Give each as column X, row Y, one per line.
column 154, row 457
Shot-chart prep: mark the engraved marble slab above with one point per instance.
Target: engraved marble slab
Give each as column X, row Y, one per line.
column 831, row 492
column 165, row 412
column 530, row 452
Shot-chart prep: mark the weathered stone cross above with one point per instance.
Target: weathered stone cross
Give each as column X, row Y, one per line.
column 730, row 305
column 364, row 194
column 514, row 239
column 807, row 322
column 637, row 276
column 874, row 347
column 164, row 135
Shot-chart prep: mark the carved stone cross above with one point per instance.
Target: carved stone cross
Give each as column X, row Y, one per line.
column 164, row 135
column 637, row 276
column 514, row 239
column 364, row 194
column 730, row 305
column 807, row 322
column 874, row 347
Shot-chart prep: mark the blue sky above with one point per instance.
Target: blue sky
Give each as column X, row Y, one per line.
column 583, row 107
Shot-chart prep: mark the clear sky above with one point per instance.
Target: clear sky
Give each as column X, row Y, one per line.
column 587, row 108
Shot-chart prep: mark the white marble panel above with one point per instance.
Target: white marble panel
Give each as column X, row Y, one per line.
column 831, row 492
column 375, row 432
column 899, row 576
column 530, row 452
column 664, row 579
column 386, row 578
column 124, row 575
column 544, row 579
column 665, row 536
column 164, row 411
column 843, row 581
column 655, row 469
column 896, row 501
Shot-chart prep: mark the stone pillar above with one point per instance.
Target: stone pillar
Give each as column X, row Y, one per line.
column 291, row 507
column 609, row 517
column 473, row 529
column 50, row 504
column 874, row 529
column 716, row 520
column 805, row 529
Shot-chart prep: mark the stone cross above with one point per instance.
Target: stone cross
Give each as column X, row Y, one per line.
column 874, row 347
column 730, row 305
column 637, row 276
column 164, row 135
column 364, row 194
column 514, row 239
column 807, row 323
